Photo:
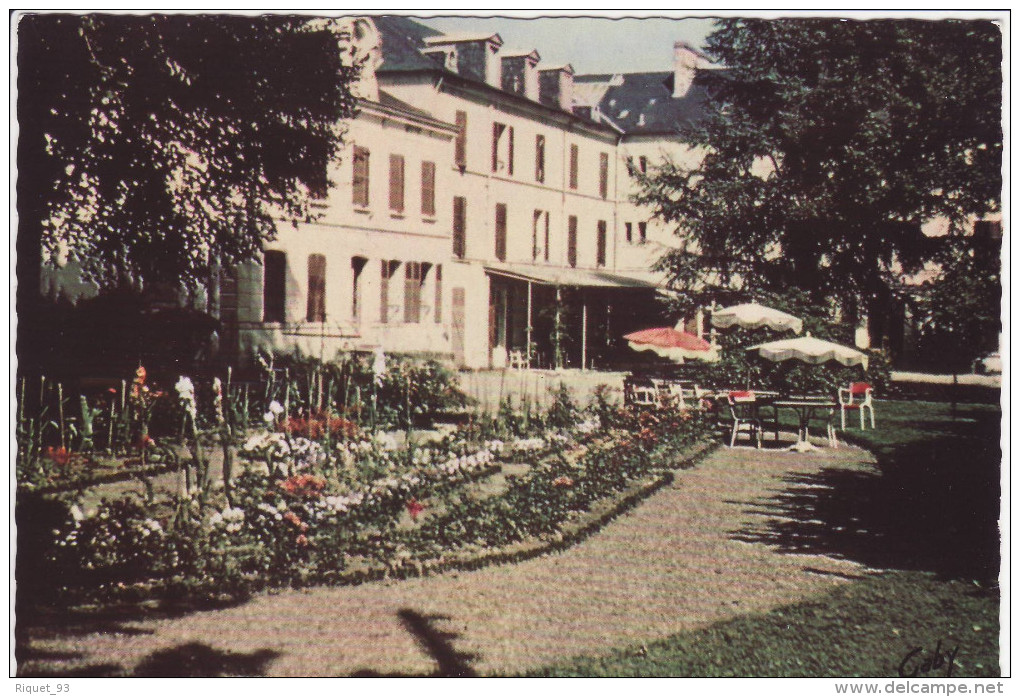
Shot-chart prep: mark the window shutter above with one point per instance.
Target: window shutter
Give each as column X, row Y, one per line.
column 428, row 188
column 643, row 231
column 629, row 227
column 604, row 175
column 397, row 183
column 361, row 177
column 501, row 231
column 600, row 257
column 274, row 287
column 497, row 130
column 540, row 158
column 459, row 229
column 572, row 240
column 460, row 155
column 510, row 152
column 387, row 268
column 573, row 166
column 316, row 311
column 546, row 216
column 438, row 311
column 413, row 273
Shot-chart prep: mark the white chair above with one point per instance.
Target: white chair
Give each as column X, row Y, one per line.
column 743, row 417
column 517, row 360
column 856, row 397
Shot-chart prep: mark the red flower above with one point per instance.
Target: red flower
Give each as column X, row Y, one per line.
column 301, row 541
column 60, row 456
column 563, row 481
column 303, row 485
column 414, row 508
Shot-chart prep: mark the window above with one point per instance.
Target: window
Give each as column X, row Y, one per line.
column 540, row 233
column 642, row 232
column 572, row 240
column 357, row 267
column 629, row 227
column 540, row 158
column 460, row 154
column 643, row 164
column 389, row 268
column 361, row 177
column 414, row 278
column 573, row 166
column 600, row 246
column 397, row 183
column 502, row 148
column 428, row 188
column 316, row 311
column 459, row 227
column 438, row 312
column 274, row 287
column 604, row 175
column 501, row 231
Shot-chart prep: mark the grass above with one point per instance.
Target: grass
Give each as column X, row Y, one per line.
column 863, row 629
column 928, row 520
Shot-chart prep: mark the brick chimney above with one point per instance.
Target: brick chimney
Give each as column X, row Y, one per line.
column 556, row 87
column 520, row 73
column 686, row 61
column 475, row 55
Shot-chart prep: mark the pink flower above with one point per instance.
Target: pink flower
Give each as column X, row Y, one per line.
column 414, row 508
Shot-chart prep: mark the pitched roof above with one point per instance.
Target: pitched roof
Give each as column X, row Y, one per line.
column 402, row 39
column 643, row 103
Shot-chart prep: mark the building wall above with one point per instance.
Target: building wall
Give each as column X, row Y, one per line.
column 374, row 233
column 638, row 255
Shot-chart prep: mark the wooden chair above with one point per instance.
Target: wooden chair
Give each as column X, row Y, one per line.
column 639, row 394
column 856, row 397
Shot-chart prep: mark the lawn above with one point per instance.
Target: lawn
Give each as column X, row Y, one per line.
column 927, row 523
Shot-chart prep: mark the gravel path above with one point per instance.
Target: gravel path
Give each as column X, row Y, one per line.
column 670, row 565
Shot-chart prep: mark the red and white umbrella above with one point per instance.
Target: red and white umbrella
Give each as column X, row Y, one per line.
column 673, row 344
column 755, row 316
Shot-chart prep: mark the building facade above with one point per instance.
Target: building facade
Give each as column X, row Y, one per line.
column 480, row 211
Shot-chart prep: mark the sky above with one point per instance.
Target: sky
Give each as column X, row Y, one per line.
column 589, row 44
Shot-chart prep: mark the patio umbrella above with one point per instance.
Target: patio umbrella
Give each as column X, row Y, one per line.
column 755, row 316
column 811, row 350
column 672, row 344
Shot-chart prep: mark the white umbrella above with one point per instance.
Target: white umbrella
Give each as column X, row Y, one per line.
column 755, row 316
column 811, row 350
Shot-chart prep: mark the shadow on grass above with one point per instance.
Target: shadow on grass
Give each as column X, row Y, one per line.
column 450, row 663
column 195, row 660
column 933, row 506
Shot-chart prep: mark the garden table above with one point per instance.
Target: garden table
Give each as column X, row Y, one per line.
column 805, row 408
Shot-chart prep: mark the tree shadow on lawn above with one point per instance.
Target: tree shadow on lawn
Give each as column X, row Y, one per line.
column 933, row 506
column 450, row 663
column 195, row 660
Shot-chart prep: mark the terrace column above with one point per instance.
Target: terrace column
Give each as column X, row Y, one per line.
column 584, row 334
column 528, row 329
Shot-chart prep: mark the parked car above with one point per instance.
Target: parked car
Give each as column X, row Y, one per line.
column 988, row 365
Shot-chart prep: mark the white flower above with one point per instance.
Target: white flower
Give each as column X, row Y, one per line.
column 275, row 408
column 76, row 514
column 269, row 418
column 186, row 393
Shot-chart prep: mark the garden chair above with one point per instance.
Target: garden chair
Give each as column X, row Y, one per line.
column 517, row 360
column 639, row 394
column 826, row 417
column 743, row 417
column 856, row 397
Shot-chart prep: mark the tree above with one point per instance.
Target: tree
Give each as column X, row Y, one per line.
column 959, row 311
column 827, row 145
column 156, row 147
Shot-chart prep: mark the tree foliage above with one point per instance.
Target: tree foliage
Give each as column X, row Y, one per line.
column 153, row 147
column 827, row 145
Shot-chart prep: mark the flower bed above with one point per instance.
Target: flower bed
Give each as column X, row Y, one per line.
column 319, row 502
